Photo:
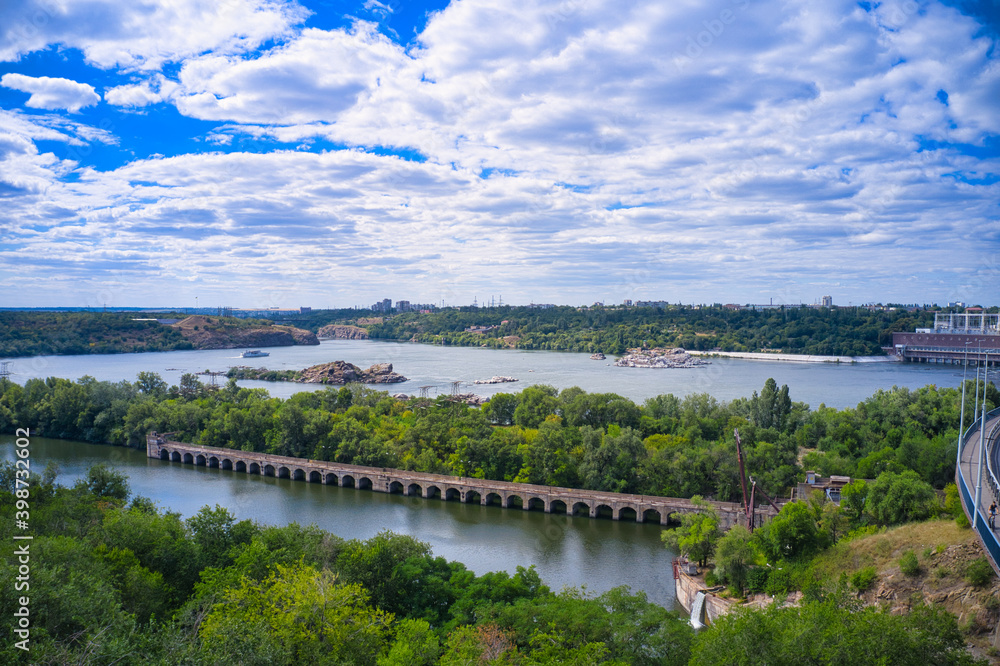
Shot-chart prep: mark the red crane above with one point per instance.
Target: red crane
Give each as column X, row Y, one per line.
column 749, row 502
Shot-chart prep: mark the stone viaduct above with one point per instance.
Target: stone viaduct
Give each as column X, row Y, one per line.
column 569, row 501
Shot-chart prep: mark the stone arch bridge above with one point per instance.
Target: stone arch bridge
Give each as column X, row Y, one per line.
column 569, row 501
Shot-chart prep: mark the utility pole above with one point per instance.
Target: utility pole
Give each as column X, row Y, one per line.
column 982, row 437
column 961, row 419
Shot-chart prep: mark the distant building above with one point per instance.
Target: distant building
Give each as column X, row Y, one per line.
column 385, row 305
column 827, row 301
column 541, row 306
column 403, row 306
column 627, row 303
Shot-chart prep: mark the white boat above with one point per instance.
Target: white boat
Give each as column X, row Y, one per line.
column 254, row 353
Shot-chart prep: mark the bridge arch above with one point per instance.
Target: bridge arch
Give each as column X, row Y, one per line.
column 432, row 492
column 627, row 513
column 364, row 483
column 269, row 470
column 284, row 473
column 652, row 516
column 331, row 479
column 240, row 466
column 580, row 509
column 315, row 477
column 473, row 497
column 514, row 502
column 396, row 488
column 226, row 464
column 298, row 474
column 213, row 462
column 453, row 494
column 165, row 454
column 492, row 499
column 253, row 469
column 535, row 504
column 188, row 459
column 604, row 511
column 557, row 506
column 347, row 481
column 200, row 461
column 414, row 490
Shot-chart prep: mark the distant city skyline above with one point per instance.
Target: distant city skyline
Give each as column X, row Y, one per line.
column 278, row 153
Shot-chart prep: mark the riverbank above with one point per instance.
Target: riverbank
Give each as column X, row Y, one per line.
column 796, row 358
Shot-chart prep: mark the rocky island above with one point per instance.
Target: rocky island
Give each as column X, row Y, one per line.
column 337, row 372
column 659, row 357
column 495, row 380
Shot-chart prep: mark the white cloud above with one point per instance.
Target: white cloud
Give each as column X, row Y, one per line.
column 645, row 149
column 143, row 35
column 142, row 94
column 52, row 93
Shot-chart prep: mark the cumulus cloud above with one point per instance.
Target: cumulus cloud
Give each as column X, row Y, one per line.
column 643, row 149
column 52, row 93
column 143, row 35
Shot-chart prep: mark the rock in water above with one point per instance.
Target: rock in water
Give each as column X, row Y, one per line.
column 659, row 357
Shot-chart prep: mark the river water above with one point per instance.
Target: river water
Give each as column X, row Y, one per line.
column 437, row 367
column 599, row 553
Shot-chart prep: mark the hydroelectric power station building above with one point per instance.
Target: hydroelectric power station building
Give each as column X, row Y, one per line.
column 953, row 338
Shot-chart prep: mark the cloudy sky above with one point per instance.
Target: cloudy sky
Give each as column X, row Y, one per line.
column 265, row 153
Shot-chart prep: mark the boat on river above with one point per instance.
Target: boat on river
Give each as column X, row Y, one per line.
column 254, row 353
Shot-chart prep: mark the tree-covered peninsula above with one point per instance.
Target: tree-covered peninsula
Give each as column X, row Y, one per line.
column 854, row 331
column 30, row 333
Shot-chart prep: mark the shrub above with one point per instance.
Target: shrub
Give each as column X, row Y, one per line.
column 979, row 572
column 863, row 579
column 908, row 563
column 757, row 579
column 711, row 580
column 779, row 581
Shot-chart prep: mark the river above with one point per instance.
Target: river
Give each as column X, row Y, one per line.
column 438, row 367
column 599, row 553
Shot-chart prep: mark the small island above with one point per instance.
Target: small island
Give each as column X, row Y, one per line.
column 659, row 357
column 495, row 380
column 337, row 372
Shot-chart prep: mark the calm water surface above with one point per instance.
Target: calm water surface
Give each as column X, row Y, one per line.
column 598, row 554
column 836, row 385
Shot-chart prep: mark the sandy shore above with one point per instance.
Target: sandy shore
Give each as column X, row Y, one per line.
column 797, row 358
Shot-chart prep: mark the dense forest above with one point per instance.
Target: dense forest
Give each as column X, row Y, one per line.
column 827, row 331
column 25, row 333
column 115, row 580
column 670, row 446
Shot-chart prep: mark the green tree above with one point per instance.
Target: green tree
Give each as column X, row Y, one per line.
column 104, row 481
column 734, row 556
column 150, row 383
column 898, row 498
column 697, row 534
column 304, row 616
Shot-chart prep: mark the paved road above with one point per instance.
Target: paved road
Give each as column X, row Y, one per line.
column 969, row 469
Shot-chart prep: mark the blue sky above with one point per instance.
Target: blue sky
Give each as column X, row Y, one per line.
column 264, row 153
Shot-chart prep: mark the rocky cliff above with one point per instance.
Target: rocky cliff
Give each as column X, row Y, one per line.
column 227, row 333
column 342, row 332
